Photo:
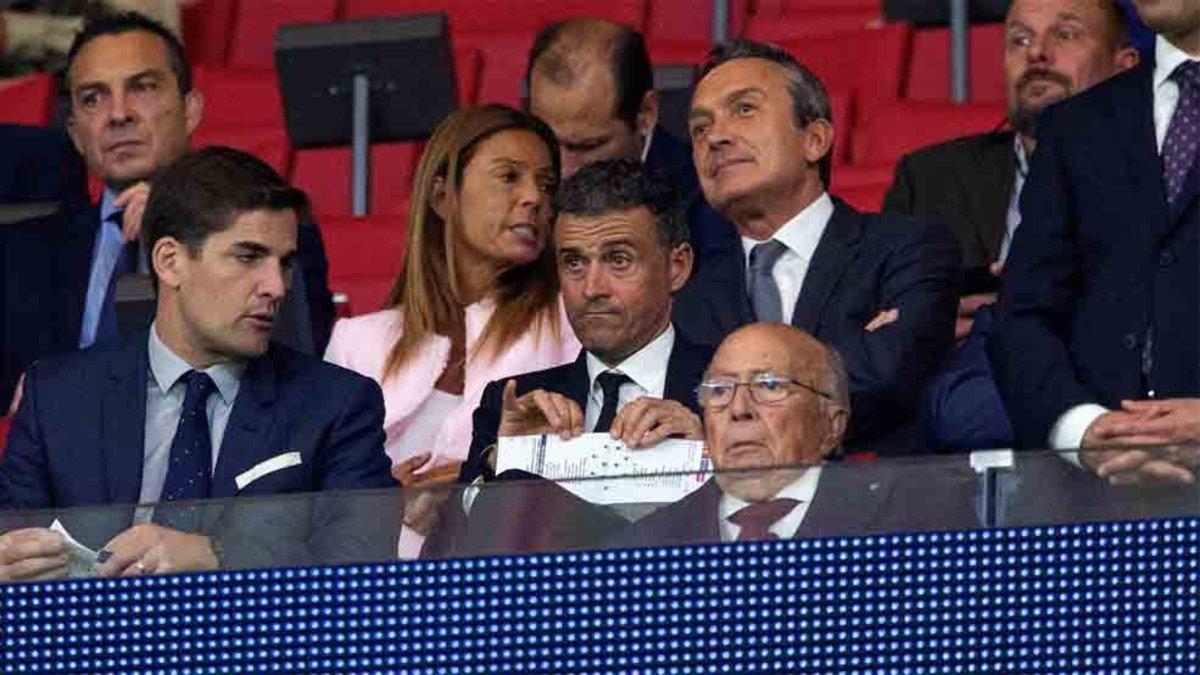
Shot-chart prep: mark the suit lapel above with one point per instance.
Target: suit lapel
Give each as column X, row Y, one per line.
column 848, row 500
column 684, row 369
column 991, row 184
column 727, row 298
column 250, row 423
column 1191, row 192
column 74, row 270
column 123, row 415
column 574, row 384
column 1131, row 116
column 830, row 261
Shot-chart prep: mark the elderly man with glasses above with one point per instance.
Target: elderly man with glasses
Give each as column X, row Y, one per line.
column 775, row 405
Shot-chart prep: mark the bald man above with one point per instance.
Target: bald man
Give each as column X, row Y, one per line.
column 775, row 405
column 591, row 81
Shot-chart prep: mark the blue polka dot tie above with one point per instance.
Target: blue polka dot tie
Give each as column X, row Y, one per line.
column 1183, row 134
column 189, row 474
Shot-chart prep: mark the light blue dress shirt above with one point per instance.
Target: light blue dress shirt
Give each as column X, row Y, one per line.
column 105, row 253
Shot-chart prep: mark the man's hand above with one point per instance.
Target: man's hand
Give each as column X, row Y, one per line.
column 882, row 319
column 967, row 307
column 538, row 412
column 32, row 554
column 645, row 422
column 154, row 549
column 1175, row 420
column 1136, row 464
column 423, row 500
column 133, row 202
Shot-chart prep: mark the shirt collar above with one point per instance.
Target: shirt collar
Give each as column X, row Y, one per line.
column 803, row 489
column 803, row 232
column 108, row 205
column 646, row 145
column 166, row 367
column 1167, row 58
column 647, row 367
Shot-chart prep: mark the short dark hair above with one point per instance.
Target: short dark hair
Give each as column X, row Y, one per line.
column 202, row 192
column 810, row 101
column 116, row 23
column 621, row 184
column 629, row 62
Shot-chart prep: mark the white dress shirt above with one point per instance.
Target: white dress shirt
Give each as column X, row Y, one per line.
column 1070, row 427
column 1012, row 219
column 802, row 490
column 800, row 235
column 647, row 368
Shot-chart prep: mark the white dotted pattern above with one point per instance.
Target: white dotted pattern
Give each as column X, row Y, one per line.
column 1183, row 134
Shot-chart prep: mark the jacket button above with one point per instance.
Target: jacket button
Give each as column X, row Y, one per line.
column 1130, row 341
column 1166, row 259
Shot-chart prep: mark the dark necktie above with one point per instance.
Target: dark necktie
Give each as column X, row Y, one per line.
column 764, row 294
column 1183, row 134
column 610, row 387
column 756, row 519
column 189, row 472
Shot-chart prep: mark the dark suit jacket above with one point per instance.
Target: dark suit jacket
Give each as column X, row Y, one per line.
column 1103, row 280
column 864, row 264
column 672, row 157
column 39, row 164
column 78, row 438
column 967, row 184
column 685, row 368
column 851, row 500
column 44, row 268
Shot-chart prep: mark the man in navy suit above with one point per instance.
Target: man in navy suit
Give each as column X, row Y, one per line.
column 881, row 289
column 1098, row 335
column 591, row 81
column 775, row 407
column 132, row 109
column 202, row 406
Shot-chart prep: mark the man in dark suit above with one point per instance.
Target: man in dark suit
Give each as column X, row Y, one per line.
column 591, row 81
column 775, row 407
column 132, row 110
column 881, row 290
column 1098, row 337
column 1055, row 49
column 202, row 406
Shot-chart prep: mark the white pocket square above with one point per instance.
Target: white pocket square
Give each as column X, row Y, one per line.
column 267, row 466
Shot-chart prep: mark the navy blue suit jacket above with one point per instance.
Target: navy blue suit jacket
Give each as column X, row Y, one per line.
column 864, row 264
column 78, row 439
column 44, row 269
column 1102, row 284
column 39, row 164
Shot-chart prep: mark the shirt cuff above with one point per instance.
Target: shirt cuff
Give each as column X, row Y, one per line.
column 1067, row 432
column 410, row 544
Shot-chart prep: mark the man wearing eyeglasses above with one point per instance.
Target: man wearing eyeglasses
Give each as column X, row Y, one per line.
column 775, row 405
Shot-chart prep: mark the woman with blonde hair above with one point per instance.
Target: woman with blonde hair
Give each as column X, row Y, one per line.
column 478, row 298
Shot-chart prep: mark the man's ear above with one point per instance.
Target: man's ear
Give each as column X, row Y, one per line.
column 835, row 426
column 1127, row 57
column 680, row 260
column 818, row 142
column 193, row 110
column 647, row 115
column 169, row 262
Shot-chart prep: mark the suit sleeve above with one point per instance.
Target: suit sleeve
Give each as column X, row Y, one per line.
column 485, row 426
column 25, row 466
column 1028, row 348
column 890, row 367
column 899, row 197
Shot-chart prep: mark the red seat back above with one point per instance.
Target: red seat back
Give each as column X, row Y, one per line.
column 256, row 21
column 862, row 187
column 324, row 173
column 768, row 28
column 4, row 424
column 268, row 143
column 365, row 257
column 27, row 100
column 891, row 131
column 929, row 69
column 503, row 17
column 207, row 29
column 239, row 96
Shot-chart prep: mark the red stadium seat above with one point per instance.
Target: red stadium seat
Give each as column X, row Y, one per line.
column 688, row 25
column 468, row 74
column 256, row 21
column 842, row 108
column 929, row 69
column 27, row 100
column 365, row 256
column 503, row 17
column 869, row 61
column 862, row 186
column 891, row 131
column 4, row 424
column 239, row 96
column 268, row 143
column 324, row 173
column 766, row 28
column 207, row 28
column 867, row 197
column 799, row 7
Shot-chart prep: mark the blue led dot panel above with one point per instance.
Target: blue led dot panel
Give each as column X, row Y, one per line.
column 1096, row 598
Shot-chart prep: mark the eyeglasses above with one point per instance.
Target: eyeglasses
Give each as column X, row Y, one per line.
column 765, row 389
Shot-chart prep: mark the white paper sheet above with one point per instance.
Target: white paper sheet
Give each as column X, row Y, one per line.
column 81, row 560
column 665, row 473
